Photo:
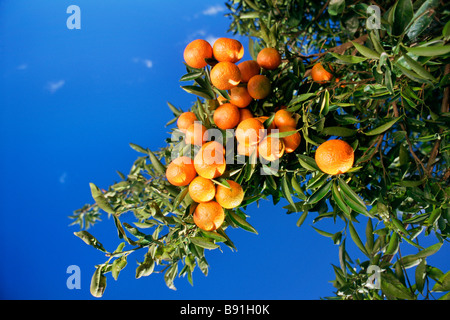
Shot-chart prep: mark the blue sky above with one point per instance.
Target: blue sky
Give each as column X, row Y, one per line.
column 71, row 101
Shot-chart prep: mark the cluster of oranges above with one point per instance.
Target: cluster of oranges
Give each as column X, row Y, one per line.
column 244, row 83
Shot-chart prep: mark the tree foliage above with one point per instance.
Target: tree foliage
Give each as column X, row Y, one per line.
column 389, row 99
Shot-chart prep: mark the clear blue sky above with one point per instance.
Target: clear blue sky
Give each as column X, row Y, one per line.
column 70, row 103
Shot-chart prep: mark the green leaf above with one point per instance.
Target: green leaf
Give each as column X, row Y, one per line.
column 393, row 244
column 157, row 165
column 347, row 59
column 420, row 275
column 302, row 218
column 241, row 222
column 356, row 239
column 203, row 243
column 118, row 266
column 392, row 287
column 214, row 235
column 402, row 16
column 418, row 68
column 338, row 131
column 339, row 200
column 324, row 107
column 366, row 52
column 320, row 193
column 98, row 282
column 369, row 235
column 146, row 268
column 382, row 128
column 90, row 240
column 336, row 7
column 443, row 284
column 199, row 91
column 100, row 199
column 191, row 76
column 286, row 190
column 307, row 162
column 323, row 233
column 430, row 51
column 352, row 199
column 138, row 148
column 170, row 274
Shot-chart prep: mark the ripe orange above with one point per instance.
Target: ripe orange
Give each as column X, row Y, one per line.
column 319, row 74
column 209, row 215
column 196, row 52
column 269, row 58
column 240, row 97
column 210, row 162
column 226, row 116
column 247, row 150
column 181, row 171
column 250, row 131
column 271, row 148
column 290, row 142
column 248, row 68
column 259, row 86
column 225, row 75
column 202, row 189
column 230, row 198
column 284, row 118
column 185, row 120
column 334, row 156
column 244, row 114
column 226, row 49
column 196, row 134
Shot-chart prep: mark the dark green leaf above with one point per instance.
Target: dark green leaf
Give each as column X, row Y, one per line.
column 356, row 239
column 320, row 193
column 98, row 282
column 241, row 222
column 203, row 243
column 90, row 240
column 402, row 16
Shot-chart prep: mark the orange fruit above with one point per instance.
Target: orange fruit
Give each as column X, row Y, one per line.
column 290, row 142
column 196, row 134
column 244, row 114
column 210, row 162
column 248, row 68
column 180, row 171
column 226, row 116
column 230, row 198
column 240, row 97
column 226, row 49
column 259, row 86
column 185, row 120
column 202, row 189
column 196, row 52
column 319, row 74
column 247, row 150
column 225, row 75
column 263, row 119
column 269, row 58
column 284, row 118
column 271, row 148
column 334, row 156
column 250, row 131
column 209, row 215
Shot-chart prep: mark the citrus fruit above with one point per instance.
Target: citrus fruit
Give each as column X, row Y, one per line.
column 209, row 215
column 244, row 114
column 259, row 86
column 210, row 162
column 185, row 120
column 202, row 189
column 292, row 141
column 226, row 49
column 226, row 116
column 247, row 150
column 180, row 171
column 269, row 58
column 196, row 134
column 271, row 148
column 284, row 118
column 196, row 52
column 248, row 68
column 225, row 75
column 240, row 97
column 334, row 156
column 319, row 74
column 230, row 198
column 250, row 131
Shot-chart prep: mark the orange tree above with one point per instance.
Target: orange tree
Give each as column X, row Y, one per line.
column 382, row 86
